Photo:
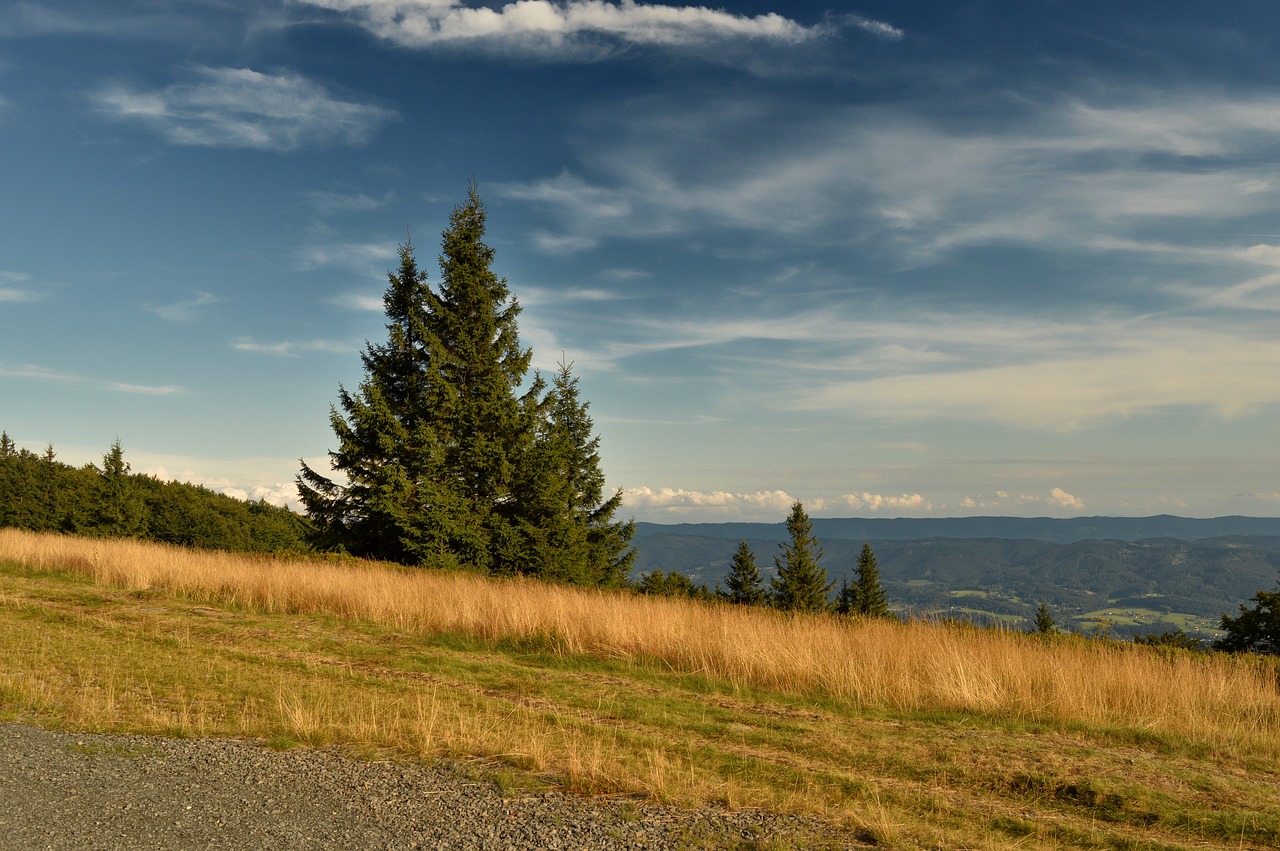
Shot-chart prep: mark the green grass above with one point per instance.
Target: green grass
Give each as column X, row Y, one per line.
column 527, row 716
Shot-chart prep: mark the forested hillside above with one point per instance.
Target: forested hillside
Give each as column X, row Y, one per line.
column 42, row 494
column 1136, row 586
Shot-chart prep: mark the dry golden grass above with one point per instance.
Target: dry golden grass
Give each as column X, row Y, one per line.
column 1222, row 701
column 907, row 735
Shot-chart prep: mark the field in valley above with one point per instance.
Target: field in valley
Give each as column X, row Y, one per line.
column 900, row 735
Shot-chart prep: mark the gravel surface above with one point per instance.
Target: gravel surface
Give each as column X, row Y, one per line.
column 81, row 791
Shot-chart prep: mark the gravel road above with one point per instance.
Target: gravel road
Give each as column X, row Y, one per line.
column 80, row 791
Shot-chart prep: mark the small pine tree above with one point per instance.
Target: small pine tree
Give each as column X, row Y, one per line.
column 121, row 510
column 1044, row 621
column 745, row 587
column 567, row 528
column 7, row 446
column 864, row 597
column 801, row 584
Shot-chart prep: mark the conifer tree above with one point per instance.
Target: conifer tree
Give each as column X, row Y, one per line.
column 1044, row 621
column 1256, row 629
column 429, row 441
column 120, row 510
column 865, row 596
column 569, row 534
column 744, row 586
column 801, row 583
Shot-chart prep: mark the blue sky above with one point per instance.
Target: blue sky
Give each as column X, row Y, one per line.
column 891, row 259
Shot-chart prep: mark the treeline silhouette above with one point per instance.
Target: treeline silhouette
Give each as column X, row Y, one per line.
column 42, row 494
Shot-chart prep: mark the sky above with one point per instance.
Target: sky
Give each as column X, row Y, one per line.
column 896, row 259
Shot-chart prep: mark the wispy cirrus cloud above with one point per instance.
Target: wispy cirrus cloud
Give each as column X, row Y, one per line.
column 12, row 287
column 243, row 108
column 1060, row 176
column 876, row 28
column 370, row 301
column 327, row 203
column 562, row 29
column 34, row 372
column 294, row 348
column 366, row 258
column 144, row 389
column 184, row 310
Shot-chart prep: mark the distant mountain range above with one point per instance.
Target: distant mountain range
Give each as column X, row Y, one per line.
column 1055, row 530
column 1140, row 574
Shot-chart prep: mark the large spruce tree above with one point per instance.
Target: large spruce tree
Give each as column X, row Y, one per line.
column 447, row 462
column 801, row 582
column 428, row 442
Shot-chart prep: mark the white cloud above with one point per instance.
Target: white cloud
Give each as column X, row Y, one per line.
column 11, row 289
column 145, row 389
column 1061, row 498
column 230, row 481
column 550, row 243
column 334, row 203
column 881, row 502
column 877, row 28
column 359, row 301
column 547, row 295
column 366, row 258
column 243, row 108
column 12, row 294
column 186, row 310
column 1057, row 498
column 560, row 28
column 281, row 493
column 294, row 348
column 40, row 373
column 686, row 504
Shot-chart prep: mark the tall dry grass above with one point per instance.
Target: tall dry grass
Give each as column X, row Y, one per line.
column 1222, row 701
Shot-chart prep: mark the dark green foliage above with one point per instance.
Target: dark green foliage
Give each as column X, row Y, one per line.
column 429, row 440
column 446, row 463
column 41, row 494
column 744, row 586
column 1044, row 621
column 672, row 584
column 1256, row 629
column 120, row 511
column 1202, row 578
column 567, row 529
column 801, row 583
column 864, row 597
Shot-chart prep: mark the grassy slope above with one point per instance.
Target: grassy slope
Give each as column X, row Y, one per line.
column 107, row 658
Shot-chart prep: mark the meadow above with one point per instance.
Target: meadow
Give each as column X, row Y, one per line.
column 909, row 735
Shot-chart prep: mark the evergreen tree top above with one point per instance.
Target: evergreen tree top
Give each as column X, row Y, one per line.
column 801, row 583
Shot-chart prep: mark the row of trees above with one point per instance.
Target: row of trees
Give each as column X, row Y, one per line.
column 800, row 583
column 448, row 455
column 42, row 494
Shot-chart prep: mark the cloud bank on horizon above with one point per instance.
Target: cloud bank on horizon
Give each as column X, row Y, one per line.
column 890, row 260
